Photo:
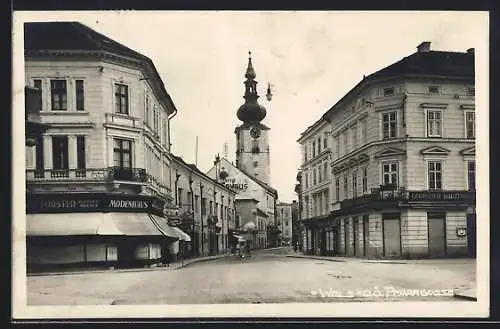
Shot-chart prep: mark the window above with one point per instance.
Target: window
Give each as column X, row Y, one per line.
column 471, row 175
column 314, row 176
column 211, row 207
column 179, row 196
column 39, row 159
column 388, row 91
column 121, row 98
column 354, row 133
column 390, row 173
column 80, row 155
column 319, row 174
column 471, row 91
column 80, row 99
column 122, row 153
column 314, row 149
column 470, row 124
column 389, row 124
column 255, row 146
column 165, row 132
column 60, row 156
column 325, row 170
column 365, row 180
column 434, row 172
column 346, row 187
column 305, row 153
column 37, row 83
column 306, row 177
column 327, row 201
column 146, row 110
column 255, row 164
column 59, row 97
column 189, row 199
column 154, row 118
column 319, row 145
column 337, row 145
column 344, row 137
column 325, row 141
column 203, row 206
column 354, row 183
column 433, row 90
column 434, row 123
column 364, row 128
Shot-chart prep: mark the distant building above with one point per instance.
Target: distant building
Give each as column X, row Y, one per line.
column 33, row 105
column 284, row 222
column 98, row 179
column 401, row 179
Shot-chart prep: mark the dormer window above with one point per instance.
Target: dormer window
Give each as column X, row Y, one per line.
column 433, row 90
column 388, row 91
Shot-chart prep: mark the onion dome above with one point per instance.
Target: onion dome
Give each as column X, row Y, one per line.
column 251, row 111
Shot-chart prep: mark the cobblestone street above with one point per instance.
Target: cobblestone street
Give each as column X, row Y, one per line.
column 264, row 278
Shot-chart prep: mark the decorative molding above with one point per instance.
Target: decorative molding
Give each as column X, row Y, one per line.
column 362, row 158
column 435, row 150
column 470, row 151
column 396, row 106
column 434, row 105
column 468, row 107
column 388, row 152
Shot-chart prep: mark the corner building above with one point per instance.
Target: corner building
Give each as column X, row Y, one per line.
column 98, row 179
column 403, row 162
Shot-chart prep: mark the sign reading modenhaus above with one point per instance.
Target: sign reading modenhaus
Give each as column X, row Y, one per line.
column 53, row 203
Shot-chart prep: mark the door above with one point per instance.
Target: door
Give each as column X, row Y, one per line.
column 366, row 237
column 471, row 234
column 355, row 235
column 346, row 237
column 392, row 235
column 437, row 234
column 323, row 242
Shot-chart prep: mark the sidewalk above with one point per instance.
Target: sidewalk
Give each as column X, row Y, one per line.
column 467, row 294
column 173, row 266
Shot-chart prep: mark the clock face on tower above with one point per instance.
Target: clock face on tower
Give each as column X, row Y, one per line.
column 255, row 132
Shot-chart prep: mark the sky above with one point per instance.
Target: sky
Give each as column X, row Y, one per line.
column 311, row 59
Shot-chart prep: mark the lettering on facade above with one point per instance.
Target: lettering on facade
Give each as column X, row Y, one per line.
column 446, row 196
column 233, row 184
column 128, row 204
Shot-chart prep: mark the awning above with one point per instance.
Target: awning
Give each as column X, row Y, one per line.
column 240, row 238
column 98, row 223
column 162, row 225
column 181, row 234
column 70, row 224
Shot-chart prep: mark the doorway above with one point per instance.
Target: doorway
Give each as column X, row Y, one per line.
column 436, row 222
column 471, row 235
column 392, row 234
column 366, row 234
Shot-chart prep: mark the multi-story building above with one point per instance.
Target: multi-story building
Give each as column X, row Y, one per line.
column 34, row 128
column 284, row 221
column 206, row 208
column 403, row 160
column 98, row 178
column 315, row 173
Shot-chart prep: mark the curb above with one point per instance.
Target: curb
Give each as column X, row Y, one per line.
column 317, row 258
column 461, row 295
column 141, row 269
column 347, row 259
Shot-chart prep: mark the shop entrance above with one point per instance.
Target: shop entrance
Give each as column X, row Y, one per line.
column 392, row 234
column 366, row 232
column 126, row 254
column 471, row 235
column 437, row 234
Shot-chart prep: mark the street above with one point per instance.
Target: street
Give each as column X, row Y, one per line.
column 266, row 277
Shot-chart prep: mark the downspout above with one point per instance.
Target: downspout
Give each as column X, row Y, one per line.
column 212, row 225
column 405, row 97
column 177, row 176
column 168, row 130
column 222, row 219
column 201, row 220
column 192, row 197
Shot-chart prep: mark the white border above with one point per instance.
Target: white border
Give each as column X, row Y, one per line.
column 20, row 310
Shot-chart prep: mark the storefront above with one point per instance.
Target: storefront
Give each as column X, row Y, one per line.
column 407, row 224
column 105, row 230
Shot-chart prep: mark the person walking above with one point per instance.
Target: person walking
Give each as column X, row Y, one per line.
column 295, row 247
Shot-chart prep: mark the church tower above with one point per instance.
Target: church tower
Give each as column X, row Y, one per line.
column 252, row 143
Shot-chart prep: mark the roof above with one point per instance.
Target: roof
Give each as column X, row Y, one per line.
column 256, row 180
column 75, row 36
column 199, row 172
column 261, row 213
column 435, row 64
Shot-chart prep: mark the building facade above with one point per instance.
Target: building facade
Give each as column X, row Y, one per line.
column 284, row 221
column 207, row 209
column 315, row 185
column 106, row 155
column 403, row 161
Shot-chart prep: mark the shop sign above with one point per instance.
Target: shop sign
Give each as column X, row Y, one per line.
column 439, row 196
column 234, row 184
column 66, row 203
column 461, row 232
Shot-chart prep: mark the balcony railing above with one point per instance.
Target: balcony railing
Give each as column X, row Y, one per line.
column 401, row 194
column 87, row 174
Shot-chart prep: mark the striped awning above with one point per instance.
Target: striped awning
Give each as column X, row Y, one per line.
column 181, row 234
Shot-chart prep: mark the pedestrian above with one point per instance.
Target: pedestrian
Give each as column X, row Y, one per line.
column 167, row 257
column 295, row 247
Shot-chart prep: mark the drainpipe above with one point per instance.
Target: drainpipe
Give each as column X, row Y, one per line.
column 201, row 220
column 215, row 211
column 177, row 176
column 192, row 197
column 168, row 130
column 222, row 220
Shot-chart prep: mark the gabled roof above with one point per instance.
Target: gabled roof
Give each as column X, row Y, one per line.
column 199, row 172
column 256, row 180
column 75, row 36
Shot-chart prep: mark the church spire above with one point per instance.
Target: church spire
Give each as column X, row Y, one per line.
column 251, row 110
column 250, row 74
column 250, row 83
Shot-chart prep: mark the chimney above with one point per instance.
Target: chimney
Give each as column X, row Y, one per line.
column 424, row 47
column 470, row 51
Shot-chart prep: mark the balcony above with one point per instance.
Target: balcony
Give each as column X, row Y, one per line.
column 88, row 174
column 115, row 120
